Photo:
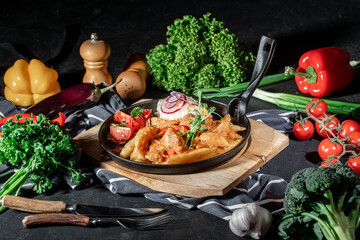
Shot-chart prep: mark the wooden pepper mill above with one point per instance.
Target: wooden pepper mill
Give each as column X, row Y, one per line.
column 95, row 53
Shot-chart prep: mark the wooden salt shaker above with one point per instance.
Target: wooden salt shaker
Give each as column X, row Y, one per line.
column 95, row 53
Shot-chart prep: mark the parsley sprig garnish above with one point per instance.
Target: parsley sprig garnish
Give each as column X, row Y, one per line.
column 198, row 121
column 137, row 111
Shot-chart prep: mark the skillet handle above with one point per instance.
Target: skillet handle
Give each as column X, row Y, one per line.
column 264, row 56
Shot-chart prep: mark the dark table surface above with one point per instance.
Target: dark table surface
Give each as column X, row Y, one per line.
column 36, row 30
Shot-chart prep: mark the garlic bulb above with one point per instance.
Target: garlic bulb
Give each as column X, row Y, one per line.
column 251, row 221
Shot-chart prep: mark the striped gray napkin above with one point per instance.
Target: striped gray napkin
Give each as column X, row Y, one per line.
column 266, row 190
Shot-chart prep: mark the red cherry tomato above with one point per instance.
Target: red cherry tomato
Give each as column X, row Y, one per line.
column 121, row 134
column 122, row 118
column 138, row 122
column 316, row 107
column 355, row 140
column 331, row 123
column 182, row 128
column 348, row 127
column 354, row 164
column 146, row 113
column 327, row 149
column 135, row 123
column 303, row 131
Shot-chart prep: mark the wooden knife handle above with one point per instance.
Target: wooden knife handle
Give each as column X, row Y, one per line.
column 55, row 218
column 32, row 205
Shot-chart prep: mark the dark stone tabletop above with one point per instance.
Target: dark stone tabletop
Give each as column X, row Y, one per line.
column 40, row 29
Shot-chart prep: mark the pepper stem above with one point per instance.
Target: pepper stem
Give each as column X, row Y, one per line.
column 309, row 74
column 291, row 71
column 354, row 63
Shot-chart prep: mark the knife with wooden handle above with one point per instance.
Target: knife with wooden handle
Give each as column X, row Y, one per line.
column 55, row 218
column 44, row 206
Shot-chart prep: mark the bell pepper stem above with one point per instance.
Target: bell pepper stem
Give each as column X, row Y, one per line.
column 292, row 72
column 354, row 63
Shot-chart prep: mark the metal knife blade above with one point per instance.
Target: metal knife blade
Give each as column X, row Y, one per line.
column 44, row 206
column 100, row 211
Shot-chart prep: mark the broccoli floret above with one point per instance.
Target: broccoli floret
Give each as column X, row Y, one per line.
column 324, row 201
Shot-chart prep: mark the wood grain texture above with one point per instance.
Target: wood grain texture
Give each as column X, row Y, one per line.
column 264, row 144
column 55, row 218
column 33, row 205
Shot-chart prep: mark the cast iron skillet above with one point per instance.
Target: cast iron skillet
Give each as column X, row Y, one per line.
column 264, row 56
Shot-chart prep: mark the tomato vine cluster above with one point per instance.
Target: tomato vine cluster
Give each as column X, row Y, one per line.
column 341, row 139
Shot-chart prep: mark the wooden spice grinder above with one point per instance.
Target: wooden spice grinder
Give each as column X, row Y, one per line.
column 95, row 53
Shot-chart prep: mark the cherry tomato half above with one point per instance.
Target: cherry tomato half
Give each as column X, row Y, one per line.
column 304, row 131
column 121, row 134
column 316, row 107
column 135, row 123
column 122, row 118
column 146, row 113
column 348, row 127
column 327, row 149
column 330, row 122
column 354, row 164
column 138, row 122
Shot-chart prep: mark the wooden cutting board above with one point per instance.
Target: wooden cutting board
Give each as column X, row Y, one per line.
column 264, row 144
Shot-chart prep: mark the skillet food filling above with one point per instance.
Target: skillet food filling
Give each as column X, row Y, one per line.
column 183, row 130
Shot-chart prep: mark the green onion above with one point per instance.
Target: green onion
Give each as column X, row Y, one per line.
column 295, row 102
column 267, row 80
column 282, row 100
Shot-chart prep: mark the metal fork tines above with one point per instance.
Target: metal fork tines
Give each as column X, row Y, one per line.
column 136, row 223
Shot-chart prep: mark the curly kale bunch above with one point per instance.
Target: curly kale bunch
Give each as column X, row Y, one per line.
column 200, row 53
column 322, row 202
column 40, row 149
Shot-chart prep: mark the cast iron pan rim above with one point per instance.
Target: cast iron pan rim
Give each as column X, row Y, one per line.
column 171, row 168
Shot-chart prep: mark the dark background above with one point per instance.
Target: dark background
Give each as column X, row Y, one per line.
column 53, row 31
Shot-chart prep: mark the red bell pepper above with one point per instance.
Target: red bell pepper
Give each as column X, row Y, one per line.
column 61, row 119
column 323, row 71
column 14, row 118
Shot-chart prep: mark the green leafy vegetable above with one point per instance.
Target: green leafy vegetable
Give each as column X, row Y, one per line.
column 39, row 149
column 200, row 53
column 322, row 201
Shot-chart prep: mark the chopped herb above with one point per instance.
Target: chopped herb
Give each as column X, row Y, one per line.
column 198, row 121
column 137, row 111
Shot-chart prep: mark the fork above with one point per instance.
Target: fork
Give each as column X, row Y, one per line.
column 158, row 221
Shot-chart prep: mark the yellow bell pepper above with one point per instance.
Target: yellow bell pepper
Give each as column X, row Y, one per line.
column 29, row 83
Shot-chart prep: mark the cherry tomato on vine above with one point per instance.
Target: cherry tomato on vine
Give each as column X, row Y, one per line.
column 327, row 149
column 303, row 131
column 355, row 140
column 316, row 107
column 354, row 164
column 348, row 127
column 331, row 122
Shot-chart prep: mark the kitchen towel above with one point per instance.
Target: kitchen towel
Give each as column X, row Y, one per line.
column 266, row 190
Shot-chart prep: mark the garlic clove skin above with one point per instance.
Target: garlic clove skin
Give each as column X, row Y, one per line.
column 251, row 221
